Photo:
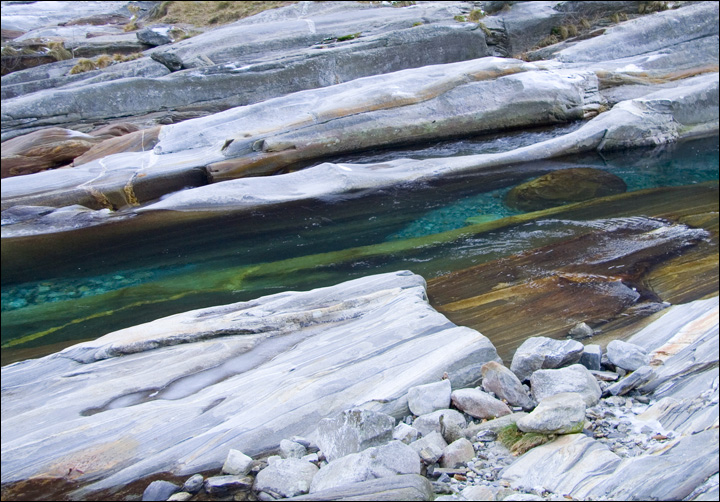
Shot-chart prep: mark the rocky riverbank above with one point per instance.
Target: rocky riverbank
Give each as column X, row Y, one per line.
column 602, row 424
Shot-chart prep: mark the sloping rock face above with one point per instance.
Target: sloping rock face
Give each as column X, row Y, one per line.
column 684, row 344
column 246, row 375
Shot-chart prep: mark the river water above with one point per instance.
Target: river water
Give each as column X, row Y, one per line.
column 80, row 285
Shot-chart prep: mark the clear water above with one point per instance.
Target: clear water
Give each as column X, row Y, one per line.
column 81, row 292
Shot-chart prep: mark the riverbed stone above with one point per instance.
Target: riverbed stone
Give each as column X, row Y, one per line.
column 591, row 357
column 457, row 453
column 637, row 378
column 627, row 356
column 540, row 352
column 499, row 380
column 562, row 413
column 575, row 378
column 287, row 477
column 194, row 483
column 430, row 447
column 180, row 497
column 478, row 492
column 479, row 404
column 160, row 490
column 237, row 463
column 376, row 462
column 405, row 433
column 424, row 399
column 432, row 421
column 291, row 449
column 353, row 431
column 222, row 484
column 563, row 187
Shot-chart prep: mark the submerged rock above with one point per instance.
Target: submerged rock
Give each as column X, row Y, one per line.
column 110, row 390
column 563, row 187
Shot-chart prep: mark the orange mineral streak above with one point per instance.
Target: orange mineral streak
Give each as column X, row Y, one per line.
column 686, row 336
column 89, row 462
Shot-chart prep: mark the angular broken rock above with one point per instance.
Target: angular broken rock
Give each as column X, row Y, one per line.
column 591, row 357
column 627, row 356
column 540, row 352
column 424, row 399
column 353, row 431
column 237, row 463
column 439, row 421
column 499, row 380
column 575, row 378
column 430, row 447
column 405, row 433
column 479, row 404
column 562, row 413
column 287, row 477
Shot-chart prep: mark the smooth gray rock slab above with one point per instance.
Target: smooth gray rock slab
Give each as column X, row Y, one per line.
column 353, row 431
column 562, row 413
column 237, row 463
column 457, row 453
column 540, row 352
column 575, row 378
column 561, row 464
column 627, row 356
column 499, row 380
column 243, row 376
column 479, row 404
column 670, row 475
column 160, row 490
column 430, row 447
column 400, row 487
column 431, row 422
column 376, row 462
column 430, row 397
column 591, row 357
column 287, row 477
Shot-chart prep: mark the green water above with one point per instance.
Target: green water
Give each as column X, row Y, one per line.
column 71, row 290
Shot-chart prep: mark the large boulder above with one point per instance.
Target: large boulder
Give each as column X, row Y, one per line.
column 287, row 477
column 540, row 352
column 262, row 367
column 353, row 431
column 479, row 404
column 562, row 187
column 575, row 378
column 499, row 380
column 627, row 356
column 562, row 413
column 430, row 397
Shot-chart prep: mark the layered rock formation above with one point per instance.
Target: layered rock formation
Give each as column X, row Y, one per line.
column 243, row 375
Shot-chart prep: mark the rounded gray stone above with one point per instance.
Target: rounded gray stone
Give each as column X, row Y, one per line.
column 479, row 404
column 627, row 356
column 160, row 490
column 287, row 477
column 430, row 397
column 562, row 413
column 575, row 378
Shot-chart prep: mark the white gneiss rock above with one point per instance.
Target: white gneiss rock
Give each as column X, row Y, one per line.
column 244, row 375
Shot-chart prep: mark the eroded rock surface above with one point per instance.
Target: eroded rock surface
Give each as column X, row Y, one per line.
column 240, row 374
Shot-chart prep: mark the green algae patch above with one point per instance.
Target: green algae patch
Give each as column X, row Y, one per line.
column 518, row 442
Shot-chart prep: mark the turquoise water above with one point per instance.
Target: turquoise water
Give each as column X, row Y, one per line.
column 194, row 265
